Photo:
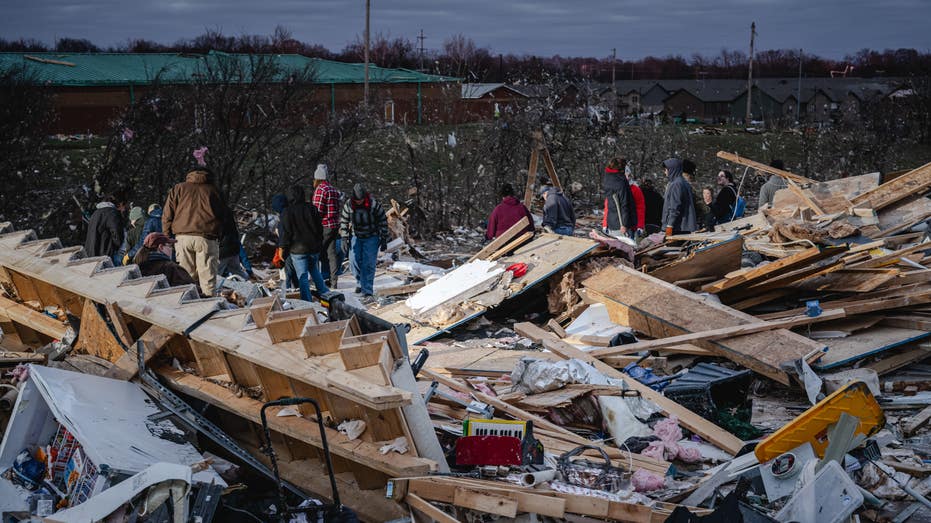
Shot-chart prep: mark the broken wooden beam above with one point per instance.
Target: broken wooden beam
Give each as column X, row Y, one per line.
column 718, row 334
column 734, row 158
column 912, row 183
column 37, row 321
column 508, row 235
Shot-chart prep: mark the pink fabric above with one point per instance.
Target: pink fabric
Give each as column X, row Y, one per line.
column 644, row 481
column 668, row 448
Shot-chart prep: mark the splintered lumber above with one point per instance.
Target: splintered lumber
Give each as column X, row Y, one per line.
column 763, row 272
column 8, row 358
column 715, row 261
column 692, row 421
column 427, row 509
column 153, row 341
column 917, row 421
column 660, row 309
column 913, row 183
column 660, row 467
column 718, row 334
column 520, row 240
column 892, row 257
column 508, row 235
column 41, row 323
column 724, row 155
column 299, row 428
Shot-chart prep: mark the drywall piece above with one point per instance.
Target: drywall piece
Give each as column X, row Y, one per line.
column 460, row 284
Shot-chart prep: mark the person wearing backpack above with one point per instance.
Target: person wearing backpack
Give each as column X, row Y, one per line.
column 362, row 221
column 724, row 205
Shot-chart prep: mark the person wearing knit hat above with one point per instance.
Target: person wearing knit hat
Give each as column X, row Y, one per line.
column 362, row 222
column 327, row 199
column 133, row 235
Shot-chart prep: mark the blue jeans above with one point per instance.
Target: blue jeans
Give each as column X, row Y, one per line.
column 565, row 230
column 364, row 259
column 307, row 266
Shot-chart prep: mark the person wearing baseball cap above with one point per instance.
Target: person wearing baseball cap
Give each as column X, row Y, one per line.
column 155, row 257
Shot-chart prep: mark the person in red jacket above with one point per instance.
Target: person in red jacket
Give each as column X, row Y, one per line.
column 506, row 214
column 639, row 201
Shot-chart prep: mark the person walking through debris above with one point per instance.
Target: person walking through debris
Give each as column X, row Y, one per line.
column 301, row 241
column 363, row 222
column 653, row 201
column 507, row 213
column 688, row 172
column 723, row 205
column 133, row 235
column 620, row 212
column 558, row 214
column 773, row 184
column 678, row 207
column 156, row 257
column 194, row 212
column 105, row 229
column 279, row 204
column 230, row 248
column 326, row 200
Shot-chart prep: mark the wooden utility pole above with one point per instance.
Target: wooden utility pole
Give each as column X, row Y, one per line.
column 365, row 87
column 614, row 85
column 798, row 98
column 750, row 72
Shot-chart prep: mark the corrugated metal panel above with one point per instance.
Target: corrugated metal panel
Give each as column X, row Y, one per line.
column 101, row 69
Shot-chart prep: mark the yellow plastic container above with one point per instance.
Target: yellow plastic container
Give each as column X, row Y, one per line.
column 812, row 425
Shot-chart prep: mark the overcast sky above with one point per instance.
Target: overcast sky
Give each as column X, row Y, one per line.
column 636, row 28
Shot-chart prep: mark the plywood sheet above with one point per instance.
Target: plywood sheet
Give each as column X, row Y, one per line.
column 660, row 310
column 865, row 343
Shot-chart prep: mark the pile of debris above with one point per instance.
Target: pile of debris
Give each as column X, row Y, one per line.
column 767, row 371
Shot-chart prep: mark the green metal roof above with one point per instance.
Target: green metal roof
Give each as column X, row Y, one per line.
column 103, row 69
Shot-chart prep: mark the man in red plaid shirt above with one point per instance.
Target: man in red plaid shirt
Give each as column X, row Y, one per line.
column 326, row 200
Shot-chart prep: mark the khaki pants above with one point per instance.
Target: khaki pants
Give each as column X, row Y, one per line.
column 200, row 257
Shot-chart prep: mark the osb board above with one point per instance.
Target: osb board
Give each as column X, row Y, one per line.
column 660, row 309
column 544, row 255
column 842, row 351
column 905, row 211
column 715, row 260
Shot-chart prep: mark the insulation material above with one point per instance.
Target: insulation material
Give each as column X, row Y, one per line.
column 466, row 281
column 532, row 376
column 667, row 447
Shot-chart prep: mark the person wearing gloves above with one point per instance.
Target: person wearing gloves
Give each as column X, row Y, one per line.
column 678, row 209
column 362, row 222
column 558, row 214
column 326, row 200
column 620, row 216
column 301, row 239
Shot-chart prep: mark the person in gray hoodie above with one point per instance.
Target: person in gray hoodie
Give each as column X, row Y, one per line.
column 678, row 209
column 558, row 214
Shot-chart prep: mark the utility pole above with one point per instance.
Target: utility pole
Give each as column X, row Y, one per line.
column 365, row 88
column 421, row 38
column 798, row 98
column 750, row 72
column 613, row 63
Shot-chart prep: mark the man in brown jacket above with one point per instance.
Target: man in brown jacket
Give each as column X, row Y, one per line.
column 193, row 214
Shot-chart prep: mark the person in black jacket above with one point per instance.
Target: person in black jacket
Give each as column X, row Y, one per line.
column 105, row 229
column 230, row 247
column 301, row 240
column 620, row 208
column 722, row 207
column 654, row 203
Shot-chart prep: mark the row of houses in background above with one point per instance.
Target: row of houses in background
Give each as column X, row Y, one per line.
column 773, row 100
column 90, row 90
